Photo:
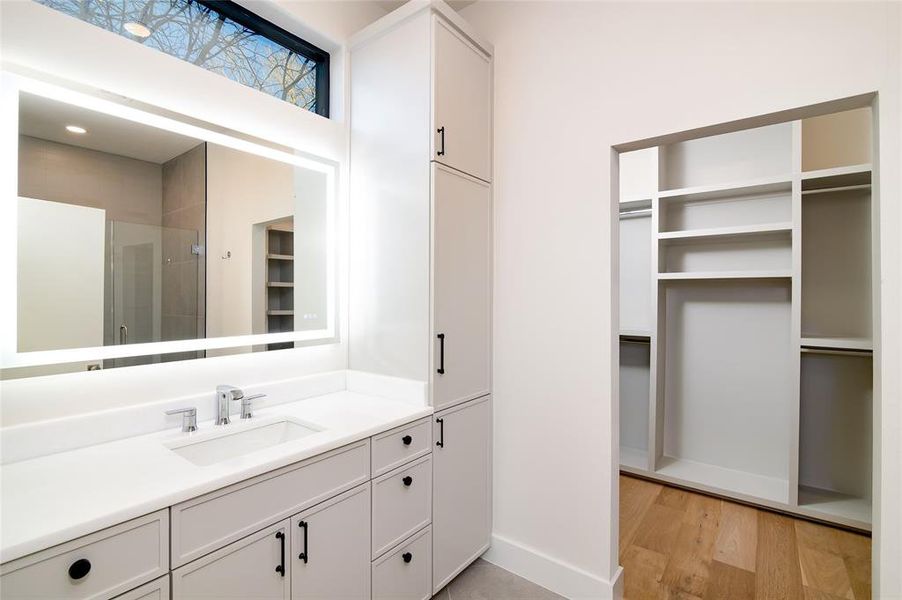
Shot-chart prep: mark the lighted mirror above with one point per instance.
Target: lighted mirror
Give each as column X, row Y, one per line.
column 132, row 237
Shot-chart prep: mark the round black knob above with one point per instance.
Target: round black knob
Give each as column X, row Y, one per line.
column 79, row 568
column 407, row 480
column 406, row 439
column 407, row 556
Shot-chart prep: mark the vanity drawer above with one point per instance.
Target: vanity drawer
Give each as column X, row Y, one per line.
column 204, row 524
column 158, row 589
column 400, row 445
column 99, row 565
column 405, row 573
column 402, row 503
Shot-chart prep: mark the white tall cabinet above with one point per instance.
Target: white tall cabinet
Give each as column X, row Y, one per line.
column 461, row 286
column 746, row 313
column 421, row 247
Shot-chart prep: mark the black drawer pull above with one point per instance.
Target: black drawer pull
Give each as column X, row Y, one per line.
column 79, row 568
column 406, row 439
column 407, row 480
column 407, row 556
column 280, row 569
column 441, row 354
column 303, row 555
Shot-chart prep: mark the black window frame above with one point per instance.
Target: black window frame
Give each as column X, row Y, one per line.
column 237, row 13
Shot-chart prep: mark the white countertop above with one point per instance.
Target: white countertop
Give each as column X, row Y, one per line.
column 52, row 499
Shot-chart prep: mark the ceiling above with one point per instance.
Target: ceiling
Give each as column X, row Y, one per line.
column 46, row 119
column 390, row 5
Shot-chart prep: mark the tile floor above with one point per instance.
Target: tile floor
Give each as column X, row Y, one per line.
column 485, row 581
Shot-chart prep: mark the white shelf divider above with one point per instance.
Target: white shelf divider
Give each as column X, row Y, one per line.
column 705, row 275
column 635, row 333
column 836, row 178
column 761, row 185
column 727, row 232
column 837, row 171
column 838, row 343
column 721, row 480
column 853, row 510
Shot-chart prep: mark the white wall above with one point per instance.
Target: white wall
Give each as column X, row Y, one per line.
column 37, row 38
column 571, row 80
column 242, row 190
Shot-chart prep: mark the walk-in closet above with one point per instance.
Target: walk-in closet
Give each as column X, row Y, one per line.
column 746, row 321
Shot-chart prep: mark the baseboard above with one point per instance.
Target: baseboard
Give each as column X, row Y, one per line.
column 555, row 575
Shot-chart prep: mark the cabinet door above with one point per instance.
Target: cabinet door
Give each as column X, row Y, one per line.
column 253, row 567
column 462, row 287
column 330, row 548
column 463, row 103
column 158, row 589
column 462, row 493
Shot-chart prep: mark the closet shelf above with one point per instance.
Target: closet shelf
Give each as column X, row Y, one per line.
column 280, row 257
column 635, row 339
column 856, row 511
column 635, row 333
column 280, row 284
column 633, row 200
column 280, row 313
column 727, row 232
column 838, row 343
column 764, row 185
column 689, row 276
column 717, row 479
column 838, row 177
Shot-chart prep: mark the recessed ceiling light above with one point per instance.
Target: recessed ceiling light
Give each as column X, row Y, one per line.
column 76, row 129
column 137, row 29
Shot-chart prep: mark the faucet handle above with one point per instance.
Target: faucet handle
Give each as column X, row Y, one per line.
column 246, row 403
column 189, row 417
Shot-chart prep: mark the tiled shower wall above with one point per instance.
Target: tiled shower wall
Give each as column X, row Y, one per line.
column 184, row 226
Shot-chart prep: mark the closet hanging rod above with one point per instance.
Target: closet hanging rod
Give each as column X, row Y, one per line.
column 838, row 351
column 841, row 188
column 631, row 214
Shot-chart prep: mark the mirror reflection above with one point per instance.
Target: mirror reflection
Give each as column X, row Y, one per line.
column 131, row 234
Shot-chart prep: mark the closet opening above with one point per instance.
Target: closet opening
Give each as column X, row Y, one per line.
column 745, row 363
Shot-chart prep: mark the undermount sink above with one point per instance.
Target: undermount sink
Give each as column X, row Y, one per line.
column 241, row 441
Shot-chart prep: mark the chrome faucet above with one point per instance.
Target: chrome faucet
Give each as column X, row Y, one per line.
column 225, row 395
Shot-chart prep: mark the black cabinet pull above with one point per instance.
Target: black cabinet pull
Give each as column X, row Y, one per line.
column 281, row 568
column 407, row 480
column 441, row 433
column 79, row 568
column 441, row 132
column 303, row 555
column 407, row 556
column 441, row 354
column 406, row 439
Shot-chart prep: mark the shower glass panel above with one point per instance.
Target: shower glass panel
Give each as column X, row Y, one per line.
column 152, row 282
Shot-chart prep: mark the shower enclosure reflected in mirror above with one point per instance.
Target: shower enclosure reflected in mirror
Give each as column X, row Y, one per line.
column 132, row 234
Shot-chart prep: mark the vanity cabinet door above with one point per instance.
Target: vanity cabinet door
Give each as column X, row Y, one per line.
column 330, row 548
column 463, row 103
column 461, row 489
column 253, row 567
column 462, row 286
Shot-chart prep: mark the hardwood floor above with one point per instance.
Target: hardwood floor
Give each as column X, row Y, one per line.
column 679, row 544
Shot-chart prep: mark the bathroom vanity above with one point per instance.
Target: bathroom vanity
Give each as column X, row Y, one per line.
column 344, row 511
column 369, row 482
